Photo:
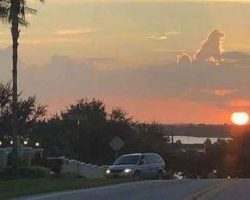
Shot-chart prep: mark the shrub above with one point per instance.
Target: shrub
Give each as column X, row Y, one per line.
column 18, row 161
column 38, row 160
column 55, row 165
column 11, row 173
column 33, row 172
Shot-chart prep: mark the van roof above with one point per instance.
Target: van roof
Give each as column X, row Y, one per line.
column 139, row 154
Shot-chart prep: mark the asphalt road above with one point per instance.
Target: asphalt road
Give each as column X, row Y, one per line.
column 215, row 189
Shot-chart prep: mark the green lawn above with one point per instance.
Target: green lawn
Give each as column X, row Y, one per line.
column 17, row 188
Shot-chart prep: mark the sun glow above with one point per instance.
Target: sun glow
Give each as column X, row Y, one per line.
column 240, row 118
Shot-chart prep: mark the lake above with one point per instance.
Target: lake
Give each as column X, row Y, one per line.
column 196, row 140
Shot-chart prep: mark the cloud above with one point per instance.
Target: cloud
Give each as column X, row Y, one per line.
column 102, row 76
column 163, row 36
column 48, row 40
column 78, row 31
column 236, row 58
column 209, row 52
column 184, row 59
column 211, row 48
column 239, row 103
column 235, row 55
column 102, row 63
column 154, row 37
column 221, row 92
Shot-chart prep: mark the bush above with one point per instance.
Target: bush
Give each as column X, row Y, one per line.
column 17, row 161
column 11, row 173
column 55, row 165
column 38, row 160
column 33, row 172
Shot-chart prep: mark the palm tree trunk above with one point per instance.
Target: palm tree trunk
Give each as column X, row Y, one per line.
column 15, row 36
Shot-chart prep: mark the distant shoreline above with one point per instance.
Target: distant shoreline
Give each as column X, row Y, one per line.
column 203, row 130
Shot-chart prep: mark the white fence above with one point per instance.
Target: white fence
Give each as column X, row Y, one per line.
column 69, row 166
column 83, row 169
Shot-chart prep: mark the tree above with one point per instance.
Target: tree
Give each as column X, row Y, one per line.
column 84, row 130
column 152, row 138
column 117, row 115
column 84, row 124
column 29, row 112
column 14, row 12
column 122, row 125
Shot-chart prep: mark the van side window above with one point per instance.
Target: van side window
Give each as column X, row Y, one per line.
column 151, row 159
column 154, row 159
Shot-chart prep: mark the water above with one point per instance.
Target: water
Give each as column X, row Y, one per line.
column 196, row 140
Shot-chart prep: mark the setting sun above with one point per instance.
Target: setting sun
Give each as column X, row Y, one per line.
column 240, row 118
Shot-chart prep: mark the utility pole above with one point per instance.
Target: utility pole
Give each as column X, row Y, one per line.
column 77, row 145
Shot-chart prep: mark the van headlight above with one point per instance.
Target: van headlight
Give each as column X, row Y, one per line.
column 127, row 170
column 108, row 171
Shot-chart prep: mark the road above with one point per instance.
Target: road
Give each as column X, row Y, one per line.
column 209, row 189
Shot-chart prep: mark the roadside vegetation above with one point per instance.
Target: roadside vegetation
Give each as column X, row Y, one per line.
column 27, row 187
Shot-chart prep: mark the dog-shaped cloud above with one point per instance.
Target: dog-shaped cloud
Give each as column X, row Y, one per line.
column 210, row 51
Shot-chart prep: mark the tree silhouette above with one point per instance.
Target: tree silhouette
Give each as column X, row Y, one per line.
column 13, row 12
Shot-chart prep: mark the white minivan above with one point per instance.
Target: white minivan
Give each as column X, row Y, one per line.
column 138, row 166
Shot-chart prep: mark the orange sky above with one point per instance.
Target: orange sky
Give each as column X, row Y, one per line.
column 125, row 53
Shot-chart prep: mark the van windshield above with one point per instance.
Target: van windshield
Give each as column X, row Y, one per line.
column 127, row 160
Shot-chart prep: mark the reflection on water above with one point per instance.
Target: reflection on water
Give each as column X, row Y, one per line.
column 196, row 140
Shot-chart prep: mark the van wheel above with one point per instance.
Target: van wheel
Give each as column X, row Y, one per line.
column 160, row 175
column 136, row 176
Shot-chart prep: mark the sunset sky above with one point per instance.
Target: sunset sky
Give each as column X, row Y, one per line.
column 125, row 53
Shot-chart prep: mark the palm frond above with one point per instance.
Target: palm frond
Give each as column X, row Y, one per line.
column 4, row 9
column 8, row 11
column 23, row 22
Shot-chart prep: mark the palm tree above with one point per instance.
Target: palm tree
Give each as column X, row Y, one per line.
column 13, row 12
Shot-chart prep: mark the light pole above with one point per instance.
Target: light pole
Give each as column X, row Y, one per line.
column 78, row 117
column 78, row 148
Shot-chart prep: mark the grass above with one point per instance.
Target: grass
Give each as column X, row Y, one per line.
column 25, row 187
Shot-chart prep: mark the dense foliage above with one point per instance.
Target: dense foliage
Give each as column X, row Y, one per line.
column 84, row 130
column 11, row 173
column 29, row 113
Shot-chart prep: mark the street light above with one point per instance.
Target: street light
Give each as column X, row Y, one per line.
column 25, row 142
column 1, row 143
column 37, row 144
column 78, row 117
column 11, row 142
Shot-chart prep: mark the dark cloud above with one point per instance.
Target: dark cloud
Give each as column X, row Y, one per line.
column 235, row 55
column 91, row 77
column 196, row 83
column 238, row 59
